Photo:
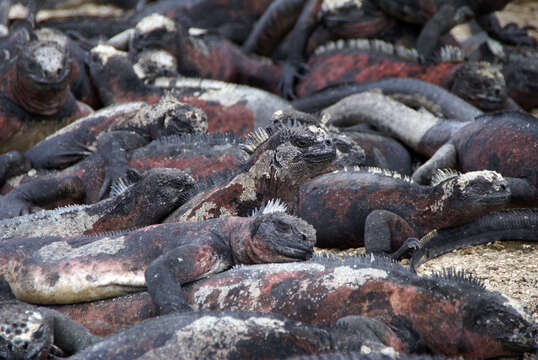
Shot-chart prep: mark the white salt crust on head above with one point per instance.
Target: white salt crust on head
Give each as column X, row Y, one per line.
column 154, row 22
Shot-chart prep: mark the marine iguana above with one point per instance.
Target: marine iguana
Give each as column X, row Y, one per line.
column 281, row 159
column 236, row 335
column 31, row 332
column 167, row 117
column 521, row 224
column 504, row 141
column 377, row 208
column 203, row 156
column 36, row 99
column 146, row 202
column 361, row 60
column 450, row 313
column 229, row 107
column 170, row 255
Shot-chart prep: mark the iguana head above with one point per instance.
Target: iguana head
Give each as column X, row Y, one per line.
column 24, row 334
column 168, row 117
column 290, row 154
column 473, row 194
column 481, row 84
column 275, row 236
column 43, row 69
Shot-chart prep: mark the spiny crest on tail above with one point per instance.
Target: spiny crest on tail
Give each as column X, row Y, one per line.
column 374, row 170
column 359, row 260
column 270, row 207
column 441, row 175
column 254, row 139
column 460, row 276
column 374, row 45
column 450, row 53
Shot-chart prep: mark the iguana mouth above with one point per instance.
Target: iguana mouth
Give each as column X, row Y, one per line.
column 494, row 199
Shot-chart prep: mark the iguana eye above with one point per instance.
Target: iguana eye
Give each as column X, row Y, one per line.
column 282, row 227
column 302, row 142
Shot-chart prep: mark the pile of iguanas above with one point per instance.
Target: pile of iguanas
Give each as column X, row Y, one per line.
column 161, row 196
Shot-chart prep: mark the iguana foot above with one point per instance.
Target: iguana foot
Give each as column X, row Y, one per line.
column 12, row 206
column 407, row 249
column 291, row 72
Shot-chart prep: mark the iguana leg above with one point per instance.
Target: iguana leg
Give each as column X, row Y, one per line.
column 444, row 158
column 42, row 192
column 69, row 335
column 444, row 19
column 383, row 231
column 113, row 147
column 297, row 43
column 184, row 264
column 12, row 163
column 272, row 27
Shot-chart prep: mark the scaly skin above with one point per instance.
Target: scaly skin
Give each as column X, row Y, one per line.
column 378, row 208
column 501, row 225
column 229, row 107
column 36, row 99
column 28, row 332
column 234, row 335
column 448, row 315
column 282, row 159
column 504, row 141
column 152, row 198
column 115, row 264
column 203, row 156
column 360, row 61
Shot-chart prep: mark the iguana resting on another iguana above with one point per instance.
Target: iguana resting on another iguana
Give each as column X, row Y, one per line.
column 229, row 107
column 148, row 201
column 63, row 270
column 505, row 141
column 281, row 159
column 450, row 313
